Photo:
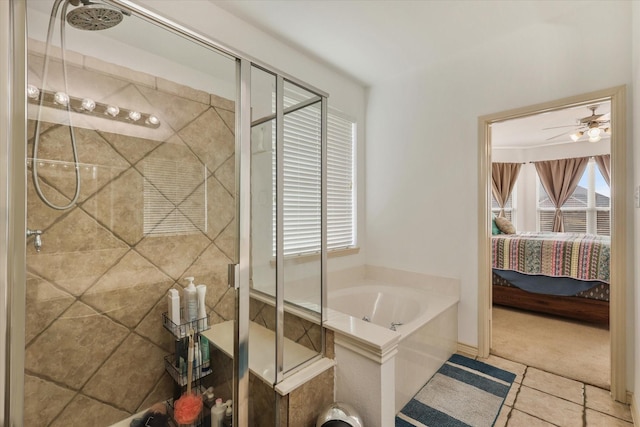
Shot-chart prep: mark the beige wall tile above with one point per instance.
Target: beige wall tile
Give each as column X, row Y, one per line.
column 162, row 390
column 129, row 290
column 307, row 401
column 182, row 90
column 84, row 411
column 131, row 148
column 44, row 303
column 173, row 110
column 35, row 413
column 151, row 326
column 75, row 260
column 210, row 269
column 220, row 209
column 39, row 215
column 120, row 205
column 229, row 119
column 223, row 103
column 144, row 365
column 173, row 254
column 330, row 344
column 57, row 355
column 226, row 174
column 209, row 138
column 227, row 241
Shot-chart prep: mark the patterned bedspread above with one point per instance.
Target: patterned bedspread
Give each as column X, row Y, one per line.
column 580, row 256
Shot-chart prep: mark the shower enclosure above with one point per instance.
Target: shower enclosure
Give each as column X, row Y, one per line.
column 136, row 153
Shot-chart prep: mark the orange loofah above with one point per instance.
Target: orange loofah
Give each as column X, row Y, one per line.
column 187, row 408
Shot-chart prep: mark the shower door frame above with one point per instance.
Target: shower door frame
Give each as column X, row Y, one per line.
column 13, row 125
column 13, row 227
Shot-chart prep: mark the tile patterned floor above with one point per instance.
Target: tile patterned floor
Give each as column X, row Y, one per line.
column 541, row 399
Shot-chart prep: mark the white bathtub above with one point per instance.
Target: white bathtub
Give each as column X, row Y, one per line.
column 407, row 357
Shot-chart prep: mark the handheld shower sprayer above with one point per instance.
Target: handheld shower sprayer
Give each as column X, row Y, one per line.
column 87, row 15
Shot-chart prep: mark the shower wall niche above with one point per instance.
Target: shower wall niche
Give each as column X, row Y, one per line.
column 155, row 206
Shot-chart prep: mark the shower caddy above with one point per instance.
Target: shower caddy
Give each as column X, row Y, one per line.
column 175, row 369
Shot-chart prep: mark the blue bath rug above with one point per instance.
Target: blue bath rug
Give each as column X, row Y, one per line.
column 463, row 393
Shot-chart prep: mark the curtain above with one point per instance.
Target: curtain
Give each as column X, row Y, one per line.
column 503, row 179
column 604, row 164
column 560, row 179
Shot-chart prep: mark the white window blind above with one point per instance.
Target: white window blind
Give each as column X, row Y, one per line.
column 509, row 207
column 175, row 198
column 302, row 180
column 587, row 210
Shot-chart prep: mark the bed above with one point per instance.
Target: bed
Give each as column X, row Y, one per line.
column 564, row 274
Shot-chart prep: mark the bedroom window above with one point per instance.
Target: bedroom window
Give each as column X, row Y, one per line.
column 586, row 211
column 509, row 207
column 301, row 160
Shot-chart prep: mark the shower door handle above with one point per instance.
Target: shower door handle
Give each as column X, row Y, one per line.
column 233, row 276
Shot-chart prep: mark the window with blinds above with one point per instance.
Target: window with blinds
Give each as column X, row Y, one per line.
column 175, row 198
column 302, row 180
column 509, row 208
column 587, row 210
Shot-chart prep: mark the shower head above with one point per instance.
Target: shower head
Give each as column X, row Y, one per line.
column 94, row 16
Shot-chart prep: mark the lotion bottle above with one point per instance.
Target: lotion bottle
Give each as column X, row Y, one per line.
column 201, row 291
column 217, row 413
column 190, row 301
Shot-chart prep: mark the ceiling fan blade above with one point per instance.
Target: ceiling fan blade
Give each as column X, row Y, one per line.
column 557, row 136
column 558, row 127
column 592, row 118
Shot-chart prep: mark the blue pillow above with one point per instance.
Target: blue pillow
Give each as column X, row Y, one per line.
column 494, row 227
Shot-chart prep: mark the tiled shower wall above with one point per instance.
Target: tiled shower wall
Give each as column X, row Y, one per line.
column 95, row 293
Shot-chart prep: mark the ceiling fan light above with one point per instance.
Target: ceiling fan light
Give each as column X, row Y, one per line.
column 576, row 136
column 594, row 138
column 594, row 132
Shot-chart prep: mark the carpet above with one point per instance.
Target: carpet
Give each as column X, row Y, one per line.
column 464, row 392
column 572, row 349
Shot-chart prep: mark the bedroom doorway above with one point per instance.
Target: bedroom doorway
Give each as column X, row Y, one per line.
column 615, row 97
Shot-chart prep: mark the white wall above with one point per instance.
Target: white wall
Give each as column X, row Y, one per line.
column 635, row 139
column 345, row 95
column 422, row 139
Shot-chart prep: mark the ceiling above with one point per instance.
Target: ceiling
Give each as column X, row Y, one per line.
column 533, row 131
column 377, row 40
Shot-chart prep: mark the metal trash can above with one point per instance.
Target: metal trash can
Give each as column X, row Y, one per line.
column 339, row 415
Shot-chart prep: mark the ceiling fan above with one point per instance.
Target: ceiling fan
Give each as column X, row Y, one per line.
column 592, row 126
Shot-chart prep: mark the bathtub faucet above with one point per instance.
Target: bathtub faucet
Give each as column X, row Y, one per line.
column 394, row 324
column 366, row 319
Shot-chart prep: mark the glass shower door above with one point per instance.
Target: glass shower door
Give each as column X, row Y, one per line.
column 131, row 190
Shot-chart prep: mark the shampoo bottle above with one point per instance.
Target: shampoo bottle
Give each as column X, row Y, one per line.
column 217, row 413
column 197, row 358
column 173, row 301
column 204, row 349
column 190, row 301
